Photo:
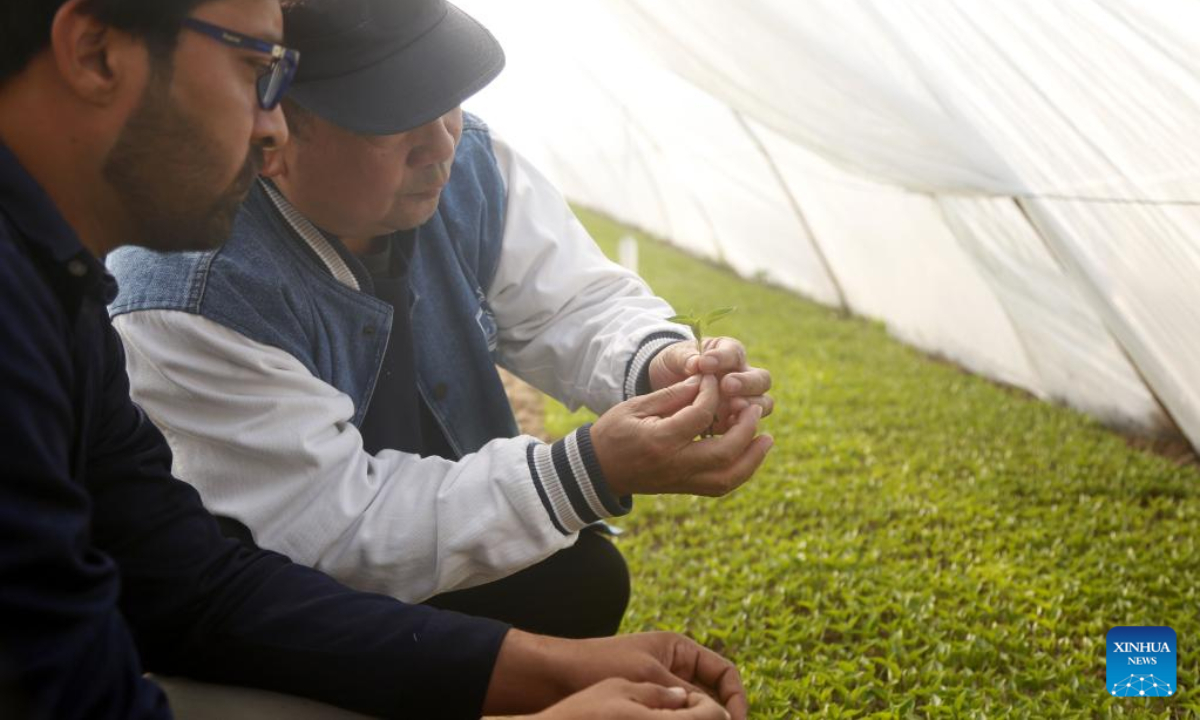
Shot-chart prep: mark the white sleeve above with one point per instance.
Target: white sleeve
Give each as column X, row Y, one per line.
column 270, row 445
column 571, row 322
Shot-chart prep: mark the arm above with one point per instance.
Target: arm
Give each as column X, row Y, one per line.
column 207, row 607
column 572, row 323
column 272, row 446
column 58, row 618
column 194, row 602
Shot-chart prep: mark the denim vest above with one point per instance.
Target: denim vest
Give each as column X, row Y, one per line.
column 265, row 284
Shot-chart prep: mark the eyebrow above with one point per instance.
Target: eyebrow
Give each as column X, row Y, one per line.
column 272, row 36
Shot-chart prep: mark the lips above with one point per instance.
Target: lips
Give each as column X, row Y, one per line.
column 429, row 194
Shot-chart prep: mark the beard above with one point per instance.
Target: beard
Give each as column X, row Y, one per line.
column 166, row 172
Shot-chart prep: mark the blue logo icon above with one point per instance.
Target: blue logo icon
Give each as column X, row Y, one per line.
column 1141, row 661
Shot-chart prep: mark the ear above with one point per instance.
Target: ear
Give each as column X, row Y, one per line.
column 98, row 62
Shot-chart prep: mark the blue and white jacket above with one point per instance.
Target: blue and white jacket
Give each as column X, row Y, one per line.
column 258, row 361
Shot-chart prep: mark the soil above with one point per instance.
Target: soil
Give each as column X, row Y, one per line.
column 528, row 405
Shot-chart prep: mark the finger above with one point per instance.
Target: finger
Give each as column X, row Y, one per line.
column 726, row 480
column 755, row 381
column 675, row 358
column 730, row 407
column 729, row 419
column 669, row 400
column 661, row 675
column 728, row 413
column 658, row 697
column 766, row 402
column 694, row 419
column 723, row 355
column 682, row 358
column 722, row 427
column 719, row 452
column 712, row 671
column 702, row 707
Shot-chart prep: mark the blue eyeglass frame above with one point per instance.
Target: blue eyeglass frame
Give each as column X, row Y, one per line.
column 274, row 82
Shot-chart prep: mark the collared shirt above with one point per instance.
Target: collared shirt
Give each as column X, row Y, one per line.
column 110, row 567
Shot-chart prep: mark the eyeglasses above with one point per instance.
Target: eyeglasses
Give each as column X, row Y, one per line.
column 274, row 81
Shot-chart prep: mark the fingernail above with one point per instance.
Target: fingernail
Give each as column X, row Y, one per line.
column 677, row 692
column 758, row 411
column 693, row 380
column 733, row 385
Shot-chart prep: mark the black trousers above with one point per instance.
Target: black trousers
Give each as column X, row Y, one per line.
column 578, row 592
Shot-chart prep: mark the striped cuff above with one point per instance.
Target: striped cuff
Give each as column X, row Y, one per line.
column 570, row 483
column 637, row 372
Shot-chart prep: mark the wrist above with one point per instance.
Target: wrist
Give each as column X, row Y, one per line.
column 532, row 672
column 615, row 497
column 607, row 460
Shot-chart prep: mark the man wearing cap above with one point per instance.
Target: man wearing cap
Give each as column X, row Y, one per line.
column 327, row 379
column 109, row 566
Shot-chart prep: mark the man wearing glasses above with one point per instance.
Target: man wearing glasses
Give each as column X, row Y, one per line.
column 145, row 121
column 328, row 378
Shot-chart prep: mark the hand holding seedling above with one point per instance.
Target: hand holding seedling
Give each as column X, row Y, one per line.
column 741, row 385
column 646, row 445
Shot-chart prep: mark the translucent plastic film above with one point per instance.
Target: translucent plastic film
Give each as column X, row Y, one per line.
column 1015, row 186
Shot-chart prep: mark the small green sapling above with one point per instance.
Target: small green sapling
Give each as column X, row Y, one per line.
column 698, row 323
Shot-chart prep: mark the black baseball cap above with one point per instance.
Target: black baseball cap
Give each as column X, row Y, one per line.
column 381, row 67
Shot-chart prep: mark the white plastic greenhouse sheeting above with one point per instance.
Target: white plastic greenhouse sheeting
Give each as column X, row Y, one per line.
column 1014, row 185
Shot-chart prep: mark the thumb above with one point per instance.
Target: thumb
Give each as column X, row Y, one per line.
column 662, row 677
column 671, row 399
column 658, row 697
column 680, row 359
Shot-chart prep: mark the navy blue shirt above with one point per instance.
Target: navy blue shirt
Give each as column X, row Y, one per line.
column 397, row 418
column 110, row 567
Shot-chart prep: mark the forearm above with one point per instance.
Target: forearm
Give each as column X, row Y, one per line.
column 571, row 321
column 208, row 607
column 529, row 675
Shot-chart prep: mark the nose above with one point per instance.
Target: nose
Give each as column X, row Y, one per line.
column 270, row 129
column 433, row 143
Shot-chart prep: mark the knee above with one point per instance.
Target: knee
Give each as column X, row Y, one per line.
column 603, row 587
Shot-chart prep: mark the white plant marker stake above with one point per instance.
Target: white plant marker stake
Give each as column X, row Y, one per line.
column 627, row 253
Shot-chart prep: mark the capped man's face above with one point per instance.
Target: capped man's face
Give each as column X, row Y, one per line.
column 365, row 186
column 191, row 150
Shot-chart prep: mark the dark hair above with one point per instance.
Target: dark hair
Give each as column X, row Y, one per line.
column 25, row 25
